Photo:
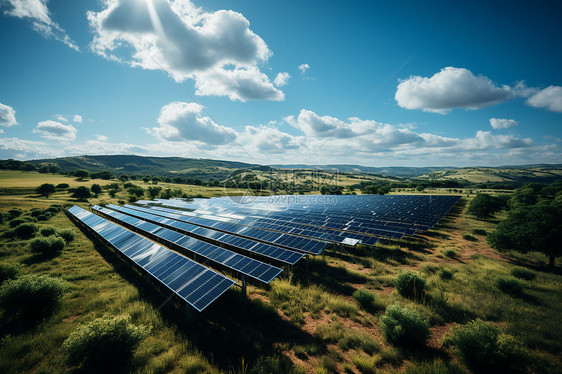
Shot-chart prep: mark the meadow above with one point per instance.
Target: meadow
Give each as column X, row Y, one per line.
column 310, row 320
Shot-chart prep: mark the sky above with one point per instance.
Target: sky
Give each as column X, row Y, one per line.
column 373, row 83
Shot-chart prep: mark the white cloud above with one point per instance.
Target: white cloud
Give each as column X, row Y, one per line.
column 77, row 118
column 36, row 12
column 450, row 88
column 282, row 79
column 303, row 68
column 7, row 116
column 102, row 138
column 265, row 139
column 549, row 98
column 181, row 121
column 502, row 123
column 53, row 130
column 216, row 49
column 27, row 147
column 60, row 117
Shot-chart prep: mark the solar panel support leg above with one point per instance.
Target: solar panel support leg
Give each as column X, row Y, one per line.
column 243, row 277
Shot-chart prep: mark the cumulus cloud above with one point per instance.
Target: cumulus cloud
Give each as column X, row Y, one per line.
column 502, row 123
column 282, row 79
column 265, row 139
column 60, row 117
column 37, row 13
column 303, row 68
column 216, row 49
column 7, row 116
column 181, row 121
column 53, row 130
column 102, row 138
column 549, row 98
column 77, row 118
column 450, row 88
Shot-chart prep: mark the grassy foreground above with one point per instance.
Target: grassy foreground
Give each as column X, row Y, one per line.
column 306, row 321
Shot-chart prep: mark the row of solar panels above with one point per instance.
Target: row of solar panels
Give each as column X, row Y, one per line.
column 213, row 236
column 354, row 217
column 283, row 240
column 228, row 259
column 196, row 284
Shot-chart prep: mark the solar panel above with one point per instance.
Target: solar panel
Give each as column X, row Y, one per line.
column 243, row 244
column 279, row 239
column 253, row 268
column 192, row 282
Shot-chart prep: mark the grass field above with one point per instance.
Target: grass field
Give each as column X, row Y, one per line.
column 305, row 322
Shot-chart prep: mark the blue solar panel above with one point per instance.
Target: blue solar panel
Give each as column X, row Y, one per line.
column 209, row 251
column 282, row 255
column 171, row 269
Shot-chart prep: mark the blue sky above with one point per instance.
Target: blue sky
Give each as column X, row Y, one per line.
column 376, row 83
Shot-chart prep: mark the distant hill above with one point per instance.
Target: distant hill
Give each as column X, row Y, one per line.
column 393, row 171
column 543, row 173
column 162, row 166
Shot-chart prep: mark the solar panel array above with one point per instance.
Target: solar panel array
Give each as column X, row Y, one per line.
column 217, row 237
column 198, row 285
column 346, row 219
column 239, row 263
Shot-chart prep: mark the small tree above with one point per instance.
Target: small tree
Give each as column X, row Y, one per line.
column 154, row 192
column 404, row 326
column 46, row 189
column 484, row 205
column 81, row 174
column 82, row 193
column 531, row 228
column 96, row 189
column 123, row 177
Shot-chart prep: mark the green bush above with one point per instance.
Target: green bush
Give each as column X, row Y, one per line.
column 364, row 298
column 31, row 297
column 36, row 213
column 509, row 285
column 9, row 271
column 479, row 232
column 25, row 230
column 44, row 217
column 48, row 231
column 67, row 235
column 410, row 285
column 16, row 222
column 485, row 349
column 445, row 274
column 9, row 234
column 404, row 326
column 451, row 253
column 103, row 342
column 49, row 246
column 523, row 273
column 14, row 213
column 469, row 237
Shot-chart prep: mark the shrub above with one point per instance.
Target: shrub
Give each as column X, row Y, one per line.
column 25, row 230
column 278, row 364
column 48, row 231
column 32, row 297
column 67, row 235
column 103, row 342
column 3, row 217
column 484, row 348
column 9, row 271
column 404, row 326
column 36, row 213
column 509, row 285
column 410, row 284
column 364, row 298
column 451, row 253
column 9, row 234
column 62, row 186
column 479, row 232
column 469, row 237
column 44, row 217
column 523, row 273
column 14, row 213
column 15, row 222
column 445, row 274
column 49, row 246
